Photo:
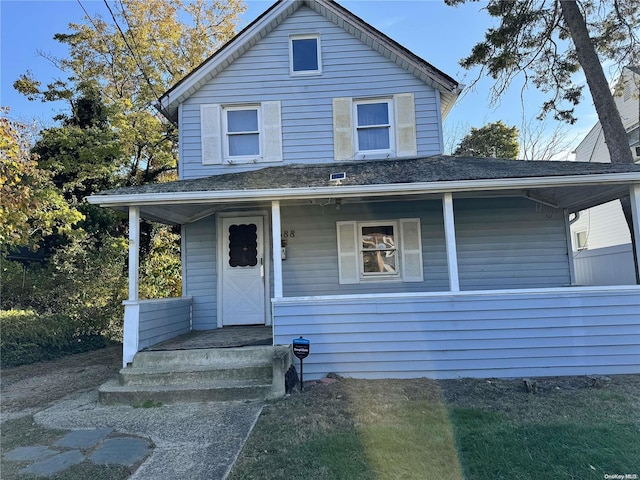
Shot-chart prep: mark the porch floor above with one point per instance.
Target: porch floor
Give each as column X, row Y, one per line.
column 227, row 337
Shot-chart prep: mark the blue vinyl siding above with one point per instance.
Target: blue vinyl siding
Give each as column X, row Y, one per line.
column 495, row 334
column 502, row 243
column 162, row 320
column 510, row 243
column 311, row 267
column 349, row 69
column 201, row 272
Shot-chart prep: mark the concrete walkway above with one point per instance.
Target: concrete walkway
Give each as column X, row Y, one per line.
column 197, row 441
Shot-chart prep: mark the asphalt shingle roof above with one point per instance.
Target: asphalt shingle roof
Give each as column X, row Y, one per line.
column 379, row 172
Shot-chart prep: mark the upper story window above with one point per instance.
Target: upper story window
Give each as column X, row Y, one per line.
column 240, row 134
column 242, row 130
column 304, row 54
column 374, row 129
column 370, row 128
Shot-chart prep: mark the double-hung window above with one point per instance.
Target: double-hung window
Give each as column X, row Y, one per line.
column 242, row 130
column 384, row 250
column 241, row 133
column 378, row 249
column 370, row 128
column 304, row 54
column 373, row 125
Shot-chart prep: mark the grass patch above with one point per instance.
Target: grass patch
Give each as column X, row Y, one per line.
column 352, row 430
column 471, row 429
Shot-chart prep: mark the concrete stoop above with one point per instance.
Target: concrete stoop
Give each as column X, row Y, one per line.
column 202, row 375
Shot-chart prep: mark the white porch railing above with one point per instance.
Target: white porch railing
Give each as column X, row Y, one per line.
column 148, row 322
column 507, row 333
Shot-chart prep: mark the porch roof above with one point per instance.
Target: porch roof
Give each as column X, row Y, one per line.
column 571, row 185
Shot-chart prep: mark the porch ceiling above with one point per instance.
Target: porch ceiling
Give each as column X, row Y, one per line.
column 570, row 185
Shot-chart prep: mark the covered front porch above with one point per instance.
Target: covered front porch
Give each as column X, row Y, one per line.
column 453, row 323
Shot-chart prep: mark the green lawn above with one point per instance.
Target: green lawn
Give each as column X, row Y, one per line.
column 471, row 429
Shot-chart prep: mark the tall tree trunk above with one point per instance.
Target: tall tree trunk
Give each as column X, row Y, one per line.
column 615, row 135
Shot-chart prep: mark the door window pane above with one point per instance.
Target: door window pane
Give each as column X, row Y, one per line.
column 243, row 245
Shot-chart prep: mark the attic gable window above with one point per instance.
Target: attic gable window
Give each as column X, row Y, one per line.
column 304, row 54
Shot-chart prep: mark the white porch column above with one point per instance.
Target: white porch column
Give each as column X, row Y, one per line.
column 450, row 238
column 276, row 246
column 634, row 193
column 567, row 233
column 131, row 330
column 134, row 252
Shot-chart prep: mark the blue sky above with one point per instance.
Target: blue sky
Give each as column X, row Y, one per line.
column 439, row 34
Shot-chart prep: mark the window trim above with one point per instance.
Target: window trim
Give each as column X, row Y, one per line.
column 380, row 153
column 226, row 134
column 581, row 245
column 409, row 250
column 305, row 36
column 378, row 276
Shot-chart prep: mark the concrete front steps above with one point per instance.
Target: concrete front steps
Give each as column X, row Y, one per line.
column 201, row 375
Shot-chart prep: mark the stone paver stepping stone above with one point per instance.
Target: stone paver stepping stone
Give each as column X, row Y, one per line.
column 55, row 464
column 83, row 438
column 30, row 454
column 120, row 451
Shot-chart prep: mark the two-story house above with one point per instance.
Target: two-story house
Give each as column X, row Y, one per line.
column 314, row 200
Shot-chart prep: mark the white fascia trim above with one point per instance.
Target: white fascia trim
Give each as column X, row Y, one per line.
column 345, row 191
column 200, row 75
column 389, row 50
column 368, row 297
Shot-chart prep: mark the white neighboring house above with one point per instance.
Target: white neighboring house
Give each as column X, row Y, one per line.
column 600, row 236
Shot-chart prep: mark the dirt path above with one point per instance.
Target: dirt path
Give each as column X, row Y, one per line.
column 36, row 386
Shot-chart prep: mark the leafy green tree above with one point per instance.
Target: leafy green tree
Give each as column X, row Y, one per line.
column 83, row 155
column 492, row 140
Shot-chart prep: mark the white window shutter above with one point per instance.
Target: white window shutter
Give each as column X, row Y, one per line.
column 211, row 134
column 348, row 270
column 406, row 143
column 411, row 250
column 342, row 129
column 272, row 138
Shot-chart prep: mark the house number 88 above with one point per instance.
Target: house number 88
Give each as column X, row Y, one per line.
column 289, row 233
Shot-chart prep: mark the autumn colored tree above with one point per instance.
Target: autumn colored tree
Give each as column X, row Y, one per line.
column 492, row 140
column 145, row 47
column 32, row 207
